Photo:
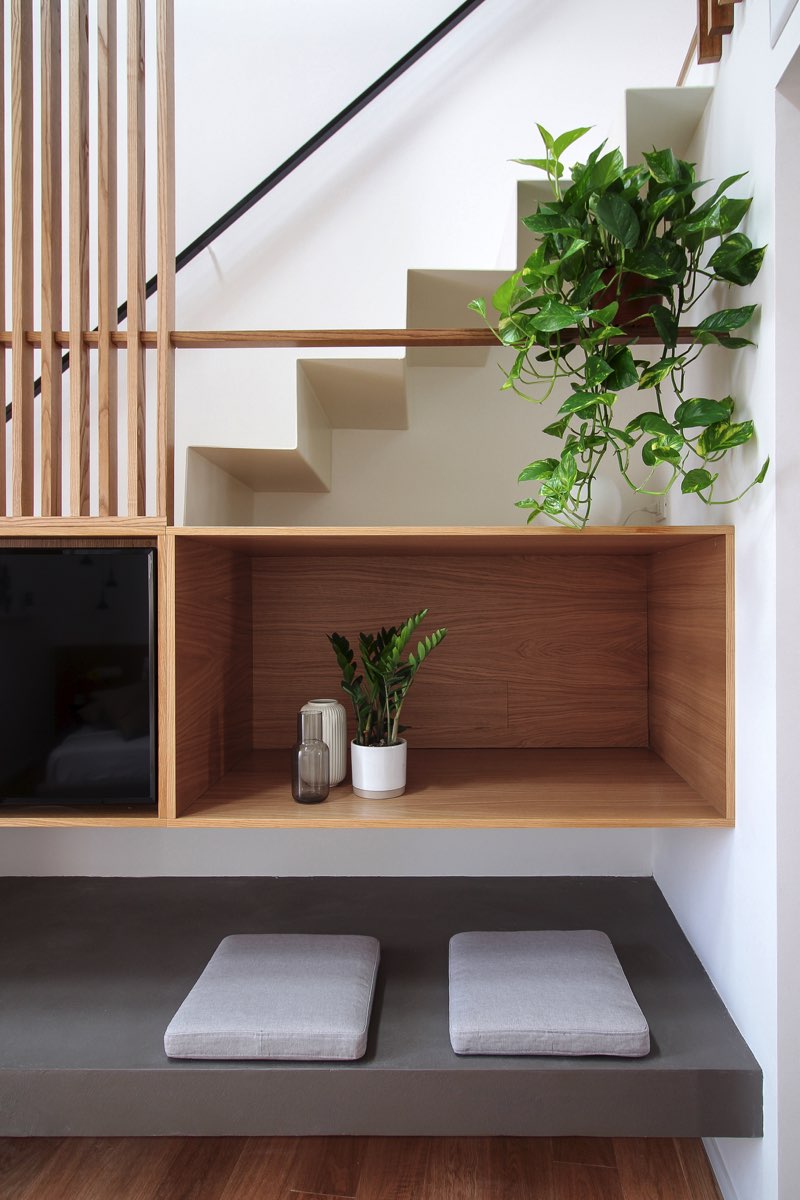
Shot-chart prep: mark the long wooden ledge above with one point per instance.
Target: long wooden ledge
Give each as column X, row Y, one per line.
column 244, row 339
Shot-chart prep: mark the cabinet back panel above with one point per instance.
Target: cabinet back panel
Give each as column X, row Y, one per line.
column 541, row 650
column 213, row 666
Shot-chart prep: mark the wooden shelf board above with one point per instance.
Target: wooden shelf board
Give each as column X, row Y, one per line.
column 435, row 539
column 480, row 789
column 98, row 815
column 83, row 527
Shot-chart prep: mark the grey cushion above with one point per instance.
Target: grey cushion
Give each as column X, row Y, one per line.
column 284, row 996
column 553, row 992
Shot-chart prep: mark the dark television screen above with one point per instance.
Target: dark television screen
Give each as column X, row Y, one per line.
column 77, row 676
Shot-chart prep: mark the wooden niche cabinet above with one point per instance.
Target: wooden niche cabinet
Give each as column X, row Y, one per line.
column 586, row 679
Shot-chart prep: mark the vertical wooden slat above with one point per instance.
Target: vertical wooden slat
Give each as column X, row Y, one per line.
column 78, row 255
column 22, row 254
column 137, row 471
column 51, row 257
column 166, row 261
column 709, row 45
column 720, row 17
column 2, row 271
column 107, row 256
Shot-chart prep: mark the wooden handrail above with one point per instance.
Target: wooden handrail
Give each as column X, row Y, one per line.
column 252, row 339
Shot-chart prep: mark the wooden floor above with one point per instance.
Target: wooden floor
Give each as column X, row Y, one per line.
column 354, row 1169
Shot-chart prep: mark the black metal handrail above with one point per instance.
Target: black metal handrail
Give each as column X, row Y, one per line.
column 262, row 189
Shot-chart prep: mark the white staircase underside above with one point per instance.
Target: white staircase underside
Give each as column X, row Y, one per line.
column 370, row 394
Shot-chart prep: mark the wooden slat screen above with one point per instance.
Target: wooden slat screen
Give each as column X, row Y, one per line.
column 87, row 249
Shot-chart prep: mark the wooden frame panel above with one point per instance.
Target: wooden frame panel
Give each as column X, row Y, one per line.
column 691, row 631
column 51, row 258
column 213, row 666
column 22, row 254
column 519, row 629
column 549, row 759
column 79, row 254
column 107, row 257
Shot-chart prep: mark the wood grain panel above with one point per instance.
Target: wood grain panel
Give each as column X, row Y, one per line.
column 22, row 254
column 78, row 255
column 51, row 258
column 565, row 640
column 107, row 391
column 690, row 617
column 166, row 676
column 165, row 466
column 137, row 408
column 213, row 667
column 480, row 789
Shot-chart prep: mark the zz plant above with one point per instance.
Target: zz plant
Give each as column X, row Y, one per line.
column 389, row 672
column 625, row 238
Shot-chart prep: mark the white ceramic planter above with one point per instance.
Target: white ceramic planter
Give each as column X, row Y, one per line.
column 334, row 735
column 379, row 772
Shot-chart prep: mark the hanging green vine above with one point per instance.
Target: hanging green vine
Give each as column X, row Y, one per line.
column 624, row 251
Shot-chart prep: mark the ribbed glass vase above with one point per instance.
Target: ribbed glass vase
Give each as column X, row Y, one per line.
column 334, row 734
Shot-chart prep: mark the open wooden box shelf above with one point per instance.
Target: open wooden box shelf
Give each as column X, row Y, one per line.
column 586, row 679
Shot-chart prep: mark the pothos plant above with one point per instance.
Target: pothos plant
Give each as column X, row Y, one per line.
column 625, row 252
column 389, row 672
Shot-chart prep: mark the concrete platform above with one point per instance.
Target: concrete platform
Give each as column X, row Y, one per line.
column 92, row 970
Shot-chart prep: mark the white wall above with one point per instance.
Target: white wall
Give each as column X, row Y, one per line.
column 728, row 890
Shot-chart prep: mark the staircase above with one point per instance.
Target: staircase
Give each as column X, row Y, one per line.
column 379, row 417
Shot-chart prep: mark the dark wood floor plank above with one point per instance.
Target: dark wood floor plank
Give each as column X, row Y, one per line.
column 577, row 1181
column 520, row 1169
column 457, row 1169
column 697, row 1169
column 589, row 1151
column 649, row 1169
column 125, row 1168
column 262, row 1169
column 60, row 1176
column 20, row 1160
column 329, row 1166
column 201, row 1169
column 354, row 1169
column 393, row 1168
